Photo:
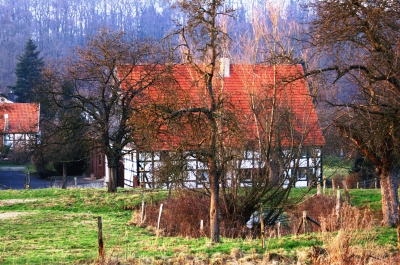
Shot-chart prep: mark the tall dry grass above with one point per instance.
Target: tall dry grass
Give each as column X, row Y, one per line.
column 347, row 239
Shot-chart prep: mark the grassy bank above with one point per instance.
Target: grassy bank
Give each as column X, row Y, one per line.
column 54, row 226
column 335, row 166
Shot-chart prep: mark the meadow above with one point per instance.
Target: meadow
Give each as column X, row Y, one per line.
column 55, row 226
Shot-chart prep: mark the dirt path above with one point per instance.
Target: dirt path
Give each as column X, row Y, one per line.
column 5, row 215
column 12, row 214
column 14, row 201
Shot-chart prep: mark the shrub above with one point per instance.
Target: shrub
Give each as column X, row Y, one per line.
column 317, row 207
column 19, row 155
column 182, row 215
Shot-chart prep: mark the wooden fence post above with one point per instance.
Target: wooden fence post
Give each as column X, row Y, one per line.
column 278, row 228
column 159, row 217
column 100, row 237
column 262, row 227
column 28, row 181
column 305, row 222
column 333, row 186
column 337, row 203
column 143, row 204
column 301, row 223
column 324, row 187
column 346, row 191
column 318, row 188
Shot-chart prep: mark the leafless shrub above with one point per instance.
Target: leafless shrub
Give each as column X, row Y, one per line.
column 181, row 215
column 352, row 247
column 322, row 209
column 355, row 229
column 19, row 155
column 318, row 207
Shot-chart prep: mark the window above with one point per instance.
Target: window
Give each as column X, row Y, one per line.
column 304, row 152
column 202, row 176
column 248, row 155
column 246, row 174
column 164, row 156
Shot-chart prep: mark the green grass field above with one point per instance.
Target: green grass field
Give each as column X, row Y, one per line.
column 54, row 226
column 335, row 166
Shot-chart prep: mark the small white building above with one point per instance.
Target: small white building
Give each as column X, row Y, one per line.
column 19, row 123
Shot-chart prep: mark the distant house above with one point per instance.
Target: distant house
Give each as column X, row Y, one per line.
column 96, row 166
column 245, row 90
column 19, row 123
column 4, row 99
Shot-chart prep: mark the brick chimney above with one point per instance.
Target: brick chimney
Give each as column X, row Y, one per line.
column 224, row 67
column 6, row 122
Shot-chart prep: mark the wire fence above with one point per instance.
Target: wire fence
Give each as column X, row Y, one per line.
column 372, row 183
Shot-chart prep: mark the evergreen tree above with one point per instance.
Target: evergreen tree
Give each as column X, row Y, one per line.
column 28, row 72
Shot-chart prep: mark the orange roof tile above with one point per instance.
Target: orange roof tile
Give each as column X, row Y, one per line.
column 22, row 117
column 248, row 87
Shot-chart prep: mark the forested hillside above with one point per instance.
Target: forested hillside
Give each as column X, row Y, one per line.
column 56, row 26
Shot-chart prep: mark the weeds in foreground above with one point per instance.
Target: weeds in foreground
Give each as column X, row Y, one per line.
column 354, row 241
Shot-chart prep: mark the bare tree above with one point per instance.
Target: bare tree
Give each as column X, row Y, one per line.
column 64, row 138
column 284, row 147
column 102, row 94
column 59, row 145
column 202, row 39
column 215, row 131
column 360, row 44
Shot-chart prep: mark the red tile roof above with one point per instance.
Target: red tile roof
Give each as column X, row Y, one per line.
column 22, row 117
column 248, row 87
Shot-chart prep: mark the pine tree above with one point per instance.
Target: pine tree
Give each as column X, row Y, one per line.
column 28, row 72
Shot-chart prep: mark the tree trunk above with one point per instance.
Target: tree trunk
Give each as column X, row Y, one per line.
column 64, row 177
column 214, row 203
column 112, row 182
column 390, row 200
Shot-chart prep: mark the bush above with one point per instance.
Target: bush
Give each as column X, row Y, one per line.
column 182, row 215
column 18, row 155
column 317, row 207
